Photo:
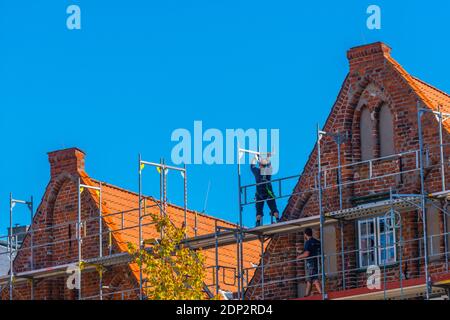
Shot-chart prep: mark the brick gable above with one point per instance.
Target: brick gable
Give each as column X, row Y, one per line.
column 374, row 79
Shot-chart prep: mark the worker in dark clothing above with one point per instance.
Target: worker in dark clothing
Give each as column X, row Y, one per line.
column 311, row 252
column 264, row 190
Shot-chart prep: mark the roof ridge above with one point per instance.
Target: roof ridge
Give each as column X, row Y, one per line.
column 408, row 77
column 156, row 200
column 431, row 86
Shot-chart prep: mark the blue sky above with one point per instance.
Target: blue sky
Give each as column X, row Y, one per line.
column 137, row 70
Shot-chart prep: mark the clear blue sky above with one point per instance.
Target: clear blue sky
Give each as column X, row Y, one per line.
column 140, row 69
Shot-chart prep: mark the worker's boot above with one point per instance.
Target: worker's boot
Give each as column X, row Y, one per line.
column 258, row 222
column 277, row 218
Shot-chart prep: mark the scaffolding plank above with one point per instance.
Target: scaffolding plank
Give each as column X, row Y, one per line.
column 374, row 208
column 57, row 271
column 21, row 277
column 440, row 195
column 224, row 238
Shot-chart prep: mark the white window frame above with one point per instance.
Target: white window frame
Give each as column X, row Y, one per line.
column 377, row 241
column 386, row 247
column 360, row 238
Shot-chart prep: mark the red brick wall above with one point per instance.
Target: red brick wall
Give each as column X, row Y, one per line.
column 54, row 238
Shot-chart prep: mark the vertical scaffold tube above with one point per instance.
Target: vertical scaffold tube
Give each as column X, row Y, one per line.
column 100, row 223
column 141, row 295
column 185, row 199
column 319, row 169
column 30, row 230
column 79, row 241
column 216, row 274
column 238, row 235
column 262, row 268
column 441, row 150
column 10, row 245
column 423, row 207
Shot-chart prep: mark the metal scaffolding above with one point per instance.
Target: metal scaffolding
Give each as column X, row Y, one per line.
column 392, row 207
column 12, row 238
column 410, row 163
column 102, row 260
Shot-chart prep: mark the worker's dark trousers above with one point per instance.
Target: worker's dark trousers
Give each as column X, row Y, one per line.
column 262, row 197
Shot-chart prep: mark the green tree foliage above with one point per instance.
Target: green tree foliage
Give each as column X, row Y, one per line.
column 171, row 270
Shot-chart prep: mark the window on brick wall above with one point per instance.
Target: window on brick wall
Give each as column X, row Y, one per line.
column 366, row 134
column 376, row 240
column 447, row 229
column 329, row 249
column 386, row 132
column 434, row 232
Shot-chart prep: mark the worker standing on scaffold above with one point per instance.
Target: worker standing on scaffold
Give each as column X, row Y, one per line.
column 264, row 190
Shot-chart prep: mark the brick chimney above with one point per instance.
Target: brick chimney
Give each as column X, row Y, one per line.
column 368, row 56
column 67, row 160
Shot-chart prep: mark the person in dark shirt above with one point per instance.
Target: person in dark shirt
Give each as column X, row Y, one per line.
column 311, row 252
column 264, row 190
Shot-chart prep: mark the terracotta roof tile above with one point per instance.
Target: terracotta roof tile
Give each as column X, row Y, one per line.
column 429, row 95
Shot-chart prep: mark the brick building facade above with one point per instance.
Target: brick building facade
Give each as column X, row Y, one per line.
column 376, row 114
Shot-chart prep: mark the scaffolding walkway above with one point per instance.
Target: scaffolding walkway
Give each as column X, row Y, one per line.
column 228, row 237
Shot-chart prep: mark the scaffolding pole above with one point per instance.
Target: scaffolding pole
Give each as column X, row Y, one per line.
column 30, row 230
column 83, row 226
column 216, row 257
column 441, row 147
column 240, row 228
column 444, row 220
column 185, row 200
column 422, row 191
column 239, row 270
column 10, row 247
column 13, row 244
column 262, row 240
column 141, row 167
column 340, row 138
column 100, row 240
column 320, row 134
column 79, row 240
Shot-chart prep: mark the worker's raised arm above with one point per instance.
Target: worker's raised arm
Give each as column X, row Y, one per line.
column 254, row 161
column 253, row 167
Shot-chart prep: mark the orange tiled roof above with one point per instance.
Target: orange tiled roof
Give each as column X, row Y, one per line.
column 434, row 95
column 116, row 200
column 429, row 95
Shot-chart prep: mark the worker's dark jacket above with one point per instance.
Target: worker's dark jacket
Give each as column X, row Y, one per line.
column 264, row 190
